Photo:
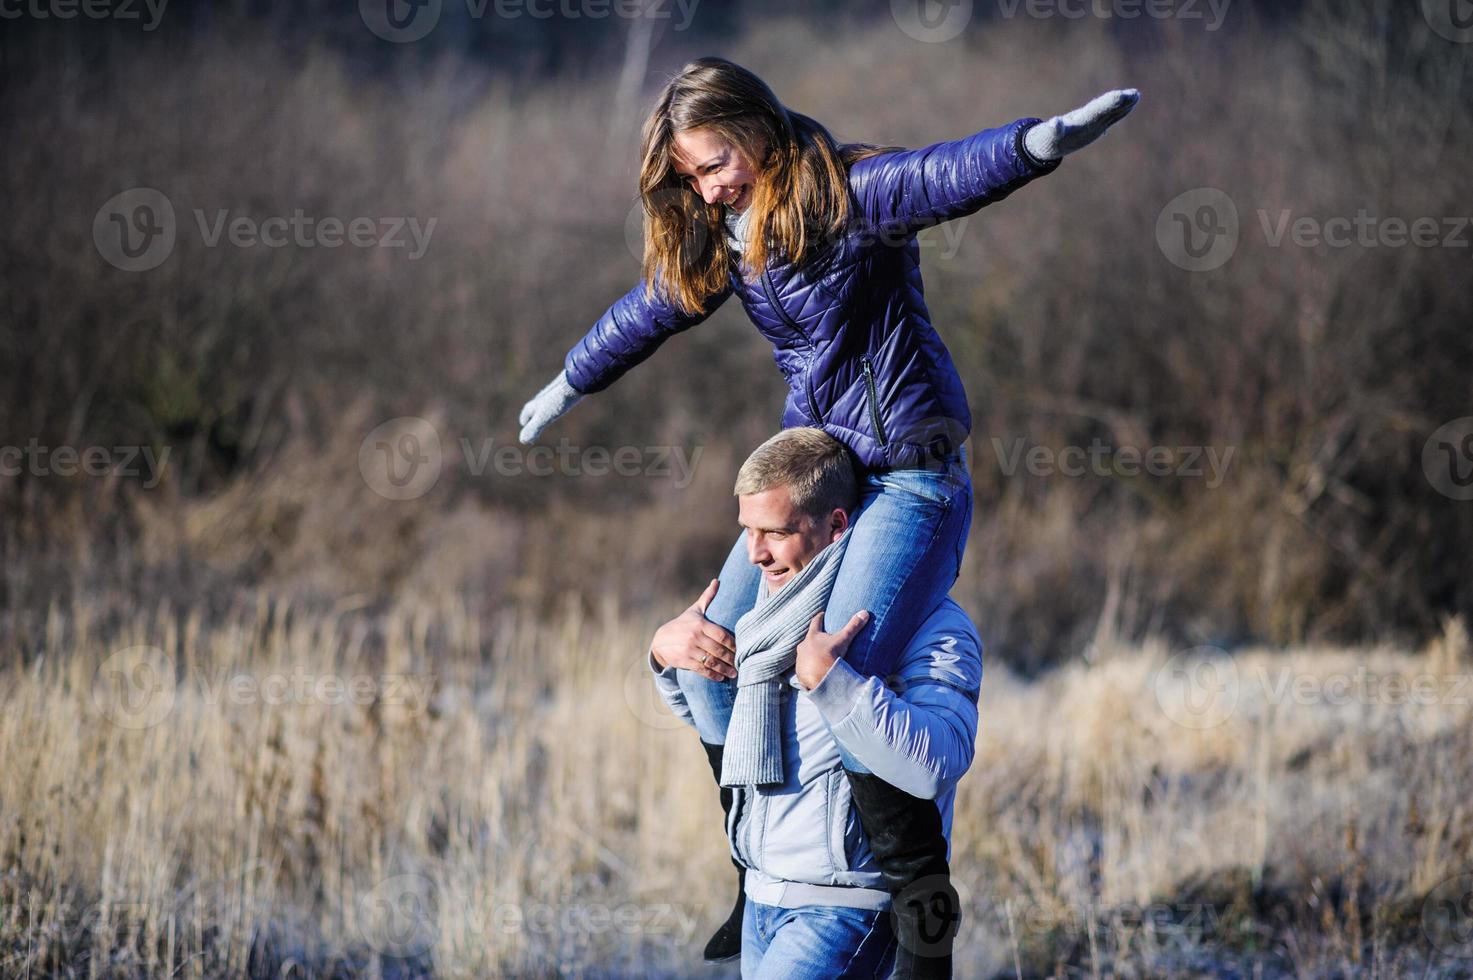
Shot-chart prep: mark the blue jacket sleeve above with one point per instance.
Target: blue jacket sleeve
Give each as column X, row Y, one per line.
column 905, row 191
column 923, row 738
column 627, row 333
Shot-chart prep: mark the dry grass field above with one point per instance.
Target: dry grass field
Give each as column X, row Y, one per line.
column 274, row 791
column 262, row 717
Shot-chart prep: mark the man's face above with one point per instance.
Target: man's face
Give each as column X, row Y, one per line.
column 782, row 539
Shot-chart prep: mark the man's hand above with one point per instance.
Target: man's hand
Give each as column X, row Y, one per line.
column 1053, row 138
column 691, row 642
column 819, row 650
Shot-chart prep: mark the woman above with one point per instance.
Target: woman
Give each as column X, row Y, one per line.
column 820, row 247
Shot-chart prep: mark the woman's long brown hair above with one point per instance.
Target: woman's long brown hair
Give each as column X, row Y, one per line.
column 800, row 201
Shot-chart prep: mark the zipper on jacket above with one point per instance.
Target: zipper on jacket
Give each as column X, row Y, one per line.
column 874, row 400
column 837, row 857
column 747, row 854
column 772, row 298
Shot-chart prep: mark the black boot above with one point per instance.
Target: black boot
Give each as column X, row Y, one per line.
column 726, row 943
column 906, row 838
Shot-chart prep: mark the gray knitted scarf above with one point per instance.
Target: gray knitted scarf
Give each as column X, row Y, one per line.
column 736, row 226
column 767, row 638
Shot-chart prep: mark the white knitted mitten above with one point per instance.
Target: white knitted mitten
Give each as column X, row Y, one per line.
column 1053, row 138
column 552, row 401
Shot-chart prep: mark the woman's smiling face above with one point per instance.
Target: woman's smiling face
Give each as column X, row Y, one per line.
column 715, row 169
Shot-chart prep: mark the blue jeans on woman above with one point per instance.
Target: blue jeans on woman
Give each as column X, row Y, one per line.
column 904, row 553
column 816, row 942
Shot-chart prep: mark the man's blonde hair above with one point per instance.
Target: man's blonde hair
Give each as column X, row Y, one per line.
column 814, row 466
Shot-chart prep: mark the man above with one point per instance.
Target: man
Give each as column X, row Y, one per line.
column 817, row 902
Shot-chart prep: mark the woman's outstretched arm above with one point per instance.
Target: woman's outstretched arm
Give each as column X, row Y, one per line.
column 906, row 191
column 627, row 333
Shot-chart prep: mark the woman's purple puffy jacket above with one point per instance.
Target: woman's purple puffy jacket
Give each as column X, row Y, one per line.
column 850, row 328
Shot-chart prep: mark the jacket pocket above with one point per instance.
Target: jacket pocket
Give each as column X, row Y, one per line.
column 808, row 392
column 846, row 836
column 847, row 845
column 834, row 811
column 872, row 399
column 787, row 834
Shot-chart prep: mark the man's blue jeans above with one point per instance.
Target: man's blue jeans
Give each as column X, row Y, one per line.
column 903, row 556
column 816, row 942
